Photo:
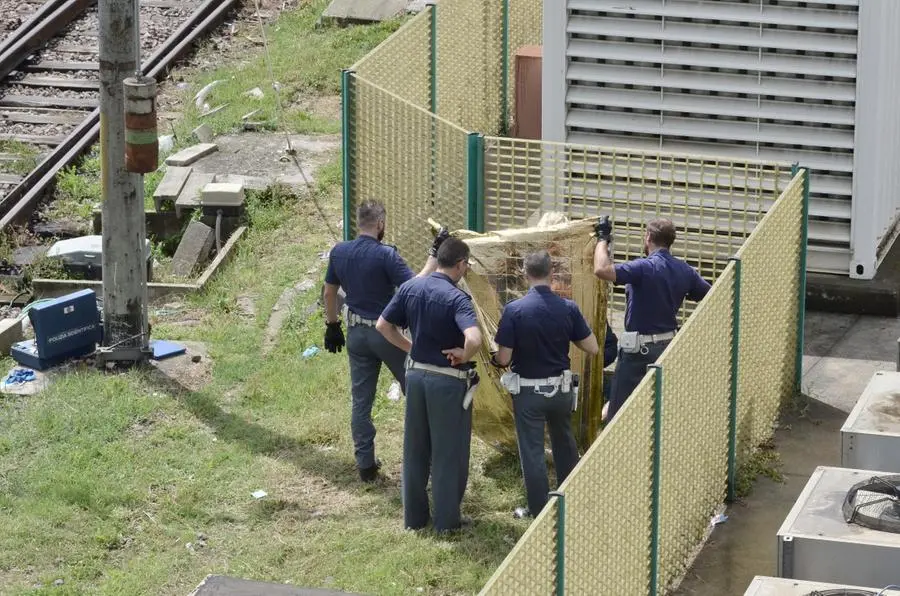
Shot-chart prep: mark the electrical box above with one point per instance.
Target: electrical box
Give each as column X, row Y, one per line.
column 776, row 586
column 84, row 256
column 815, row 542
column 870, row 438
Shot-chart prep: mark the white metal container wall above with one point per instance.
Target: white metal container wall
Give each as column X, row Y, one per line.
column 763, row 79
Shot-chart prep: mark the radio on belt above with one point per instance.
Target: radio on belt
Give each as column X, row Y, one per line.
column 67, row 327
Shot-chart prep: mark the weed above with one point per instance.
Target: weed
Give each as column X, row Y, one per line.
column 26, row 157
column 765, row 462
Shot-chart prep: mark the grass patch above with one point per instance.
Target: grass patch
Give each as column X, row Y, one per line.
column 79, row 190
column 306, row 62
column 105, row 479
column 26, row 157
column 765, row 462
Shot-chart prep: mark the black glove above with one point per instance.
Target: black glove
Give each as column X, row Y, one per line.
column 334, row 337
column 494, row 360
column 603, row 229
column 442, row 235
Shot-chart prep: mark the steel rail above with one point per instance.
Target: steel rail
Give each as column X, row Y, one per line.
column 18, row 205
column 50, row 19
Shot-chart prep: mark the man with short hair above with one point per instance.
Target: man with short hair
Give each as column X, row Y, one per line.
column 369, row 272
column 533, row 336
column 655, row 288
column 438, row 427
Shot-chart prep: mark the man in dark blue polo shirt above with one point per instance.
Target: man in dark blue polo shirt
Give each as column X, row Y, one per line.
column 655, row 288
column 438, row 426
column 534, row 335
column 369, row 272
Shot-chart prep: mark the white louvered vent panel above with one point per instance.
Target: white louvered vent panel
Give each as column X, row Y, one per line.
column 760, row 79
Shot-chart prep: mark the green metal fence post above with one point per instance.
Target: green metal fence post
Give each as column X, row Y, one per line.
column 801, row 298
column 657, row 442
column 433, row 83
column 432, row 99
column 346, row 149
column 475, row 186
column 735, row 353
column 560, row 542
column 504, row 83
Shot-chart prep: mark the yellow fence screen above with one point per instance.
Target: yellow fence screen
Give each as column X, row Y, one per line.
column 469, row 64
column 392, row 162
column 402, row 63
column 770, row 262
column 696, row 390
column 608, row 504
column 530, row 568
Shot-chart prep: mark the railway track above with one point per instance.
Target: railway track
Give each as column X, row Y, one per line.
column 49, row 89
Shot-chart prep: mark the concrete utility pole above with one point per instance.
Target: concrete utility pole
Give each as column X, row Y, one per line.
column 126, row 336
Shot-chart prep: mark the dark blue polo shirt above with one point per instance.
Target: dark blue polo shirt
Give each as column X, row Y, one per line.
column 436, row 312
column 369, row 271
column 655, row 288
column 538, row 327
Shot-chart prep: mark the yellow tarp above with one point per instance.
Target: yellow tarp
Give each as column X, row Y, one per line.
column 496, row 278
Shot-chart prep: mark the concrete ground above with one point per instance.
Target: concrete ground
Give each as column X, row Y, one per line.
column 841, row 354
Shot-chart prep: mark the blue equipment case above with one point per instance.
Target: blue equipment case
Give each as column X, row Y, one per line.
column 67, row 327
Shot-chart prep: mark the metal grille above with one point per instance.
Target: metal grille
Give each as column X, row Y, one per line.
column 608, row 504
column 714, row 204
column 392, row 162
column 409, row 46
column 530, row 568
column 770, row 264
column 526, row 18
column 696, row 393
column 470, row 66
column 766, row 80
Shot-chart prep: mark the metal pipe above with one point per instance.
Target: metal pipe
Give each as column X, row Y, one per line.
column 124, row 228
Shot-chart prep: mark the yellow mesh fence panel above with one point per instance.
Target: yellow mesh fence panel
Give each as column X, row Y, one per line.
column 530, row 568
column 469, row 63
column 401, row 64
column 608, row 504
column 696, row 393
column 496, row 278
column 714, row 204
column 392, row 162
column 526, row 21
column 770, row 265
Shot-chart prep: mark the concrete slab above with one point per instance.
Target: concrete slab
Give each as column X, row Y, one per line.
column 189, row 198
column 364, row 11
column 186, row 157
column 10, row 332
column 170, row 187
column 193, row 249
column 840, row 381
column 220, row 585
column 191, row 371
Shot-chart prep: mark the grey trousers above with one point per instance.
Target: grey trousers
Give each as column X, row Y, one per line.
column 367, row 350
column 532, row 411
column 630, row 369
column 436, row 438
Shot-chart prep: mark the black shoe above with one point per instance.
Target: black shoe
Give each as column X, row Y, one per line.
column 370, row 474
column 464, row 523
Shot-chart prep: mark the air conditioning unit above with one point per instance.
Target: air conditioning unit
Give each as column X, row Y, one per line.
column 776, row 586
column 870, row 438
column 844, row 528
